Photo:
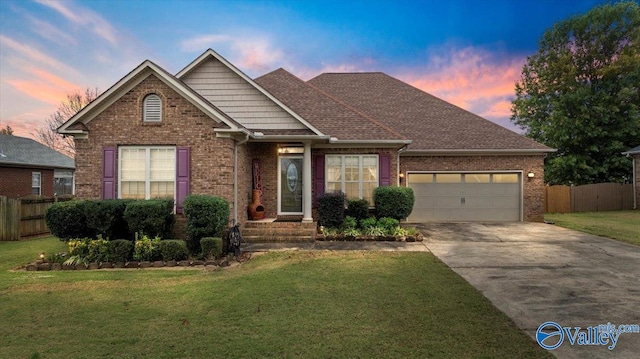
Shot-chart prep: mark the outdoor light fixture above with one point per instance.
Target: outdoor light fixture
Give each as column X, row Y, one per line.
column 401, row 176
column 42, row 255
column 531, row 174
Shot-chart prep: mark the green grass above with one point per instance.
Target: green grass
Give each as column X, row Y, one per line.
column 284, row 304
column 620, row 225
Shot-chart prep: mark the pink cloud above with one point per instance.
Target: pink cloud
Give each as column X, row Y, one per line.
column 471, row 78
column 44, row 86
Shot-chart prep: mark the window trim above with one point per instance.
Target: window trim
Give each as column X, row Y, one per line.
column 39, row 187
column 145, row 106
column 343, row 167
column 147, row 172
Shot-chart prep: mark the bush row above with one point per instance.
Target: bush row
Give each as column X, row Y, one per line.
column 144, row 248
column 390, row 202
column 110, row 219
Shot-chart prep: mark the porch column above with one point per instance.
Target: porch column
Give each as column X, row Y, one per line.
column 306, row 184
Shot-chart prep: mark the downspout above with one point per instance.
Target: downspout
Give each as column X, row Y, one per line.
column 235, row 176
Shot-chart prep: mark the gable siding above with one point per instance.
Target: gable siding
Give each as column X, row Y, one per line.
column 237, row 98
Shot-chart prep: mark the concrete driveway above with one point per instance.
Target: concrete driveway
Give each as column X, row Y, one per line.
column 536, row 273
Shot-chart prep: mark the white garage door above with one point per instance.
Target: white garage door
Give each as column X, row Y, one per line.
column 466, row 197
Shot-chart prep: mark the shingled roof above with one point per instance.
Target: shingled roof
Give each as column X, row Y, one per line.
column 326, row 113
column 433, row 124
column 25, row 152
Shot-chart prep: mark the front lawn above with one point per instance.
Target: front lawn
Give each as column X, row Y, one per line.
column 284, row 304
column 621, row 225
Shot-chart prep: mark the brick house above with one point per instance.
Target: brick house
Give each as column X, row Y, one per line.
column 634, row 154
column 29, row 168
column 211, row 129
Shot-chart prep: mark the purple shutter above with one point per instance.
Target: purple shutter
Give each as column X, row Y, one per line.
column 109, row 173
column 182, row 176
column 318, row 176
column 385, row 170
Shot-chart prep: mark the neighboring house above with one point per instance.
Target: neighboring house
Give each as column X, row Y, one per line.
column 154, row 135
column 30, row 168
column 634, row 153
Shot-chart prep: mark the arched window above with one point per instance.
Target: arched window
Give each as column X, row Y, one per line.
column 152, row 108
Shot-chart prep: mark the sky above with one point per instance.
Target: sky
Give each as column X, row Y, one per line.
column 467, row 52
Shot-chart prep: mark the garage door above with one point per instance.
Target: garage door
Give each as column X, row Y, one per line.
column 466, row 197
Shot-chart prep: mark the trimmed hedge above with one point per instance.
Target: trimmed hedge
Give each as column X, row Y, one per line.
column 357, row 208
column 393, row 202
column 152, row 217
column 67, row 220
column 211, row 247
column 106, row 217
column 173, row 249
column 206, row 216
column 331, row 209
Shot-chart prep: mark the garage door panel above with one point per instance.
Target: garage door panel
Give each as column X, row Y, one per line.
column 474, row 199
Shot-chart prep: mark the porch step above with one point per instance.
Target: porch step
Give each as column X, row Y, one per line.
column 269, row 231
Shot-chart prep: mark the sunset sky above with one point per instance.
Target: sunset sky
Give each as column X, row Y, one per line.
column 467, row 52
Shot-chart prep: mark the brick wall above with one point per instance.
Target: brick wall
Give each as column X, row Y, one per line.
column 16, row 182
column 533, row 195
column 182, row 125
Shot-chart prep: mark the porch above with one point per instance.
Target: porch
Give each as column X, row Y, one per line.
column 278, row 230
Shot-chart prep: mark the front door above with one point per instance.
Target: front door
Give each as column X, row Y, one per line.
column 290, row 185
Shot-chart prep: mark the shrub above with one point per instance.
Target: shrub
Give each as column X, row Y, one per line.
column 67, row 220
column 106, row 217
column 331, row 209
column 368, row 222
column 146, row 249
column 394, row 202
column 211, row 247
column 152, row 217
column 206, row 216
column 388, row 224
column 56, row 258
column 399, row 231
column 374, row 231
column 352, row 232
column 173, row 249
column 122, row 250
column 357, row 208
column 99, row 250
column 349, row 223
column 79, row 247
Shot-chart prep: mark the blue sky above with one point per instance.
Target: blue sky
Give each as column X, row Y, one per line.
column 467, row 52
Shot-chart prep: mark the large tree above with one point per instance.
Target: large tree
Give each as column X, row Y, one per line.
column 48, row 136
column 580, row 93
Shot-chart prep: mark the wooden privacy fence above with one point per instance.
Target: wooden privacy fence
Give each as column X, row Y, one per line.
column 588, row 198
column 23, row 217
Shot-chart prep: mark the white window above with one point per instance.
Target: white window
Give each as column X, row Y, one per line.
column 152, row 108
column 147, row 172
column 355, row 175
column 36, row 181
column 62, row 182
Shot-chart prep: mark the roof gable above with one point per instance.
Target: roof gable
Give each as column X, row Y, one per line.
column 225, row 86
column 328, row 114
column 25, row 152
column 433, row 124
column 75, row 125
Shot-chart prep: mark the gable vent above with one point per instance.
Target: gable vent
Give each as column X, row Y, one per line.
column 152, row 108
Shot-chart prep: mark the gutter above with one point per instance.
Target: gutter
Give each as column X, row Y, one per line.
column 456, row 152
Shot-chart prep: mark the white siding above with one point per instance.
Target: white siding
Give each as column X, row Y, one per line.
column 238, row 98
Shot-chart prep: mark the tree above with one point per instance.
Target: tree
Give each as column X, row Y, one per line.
column 6, row 131
column 580, row 93
column 66, row 109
